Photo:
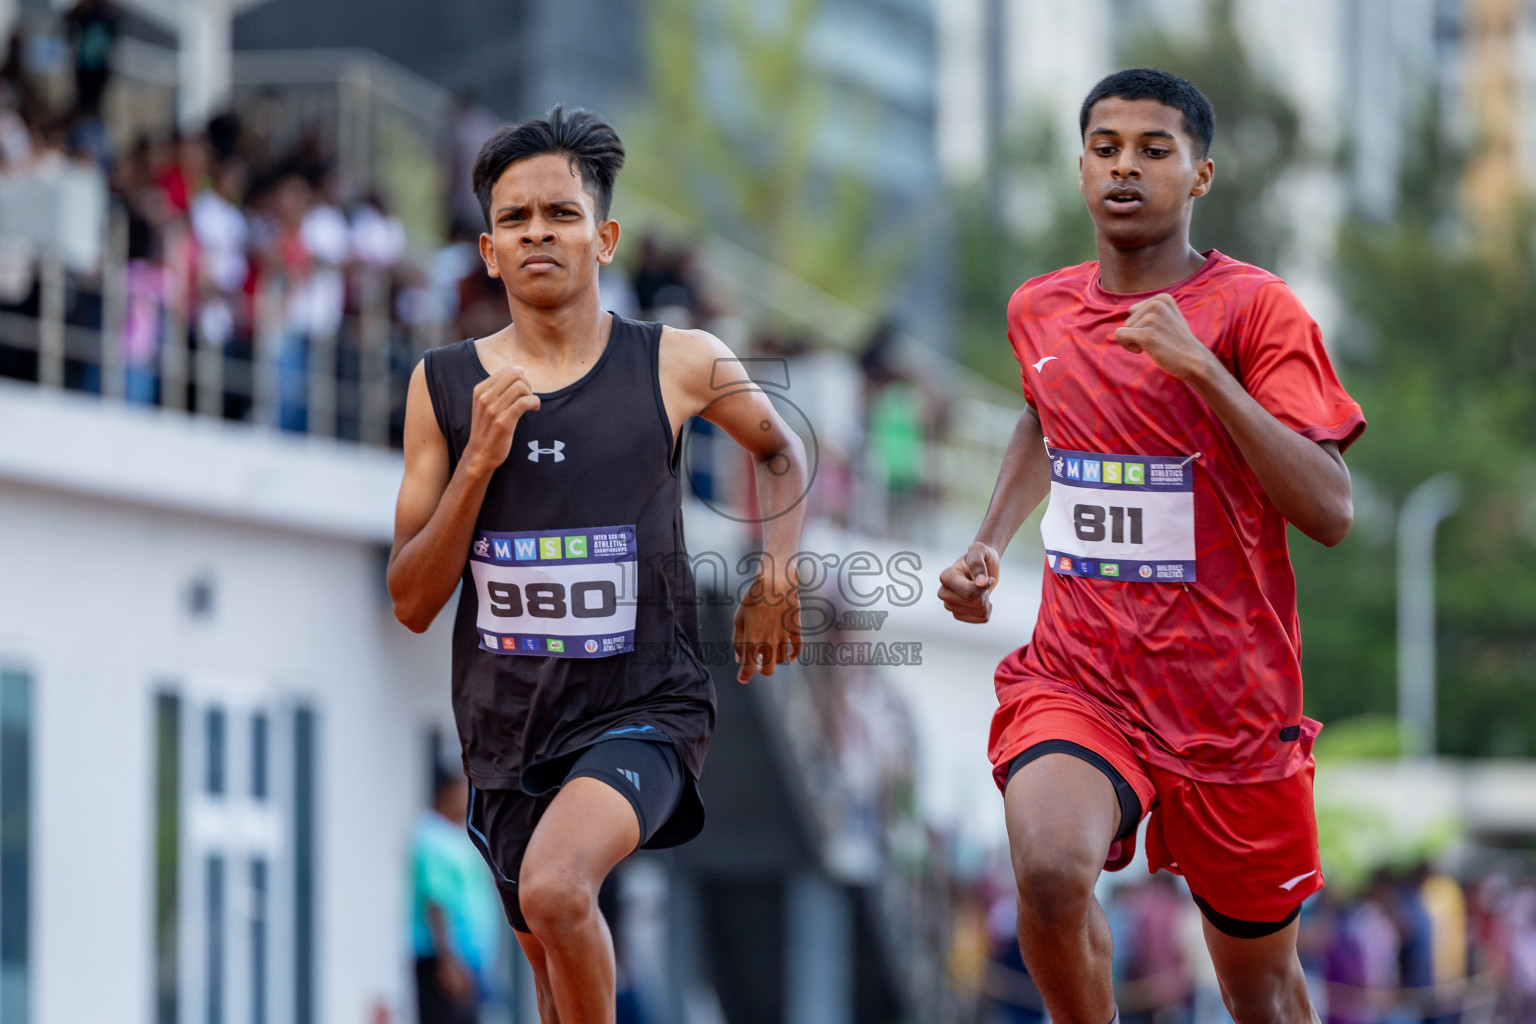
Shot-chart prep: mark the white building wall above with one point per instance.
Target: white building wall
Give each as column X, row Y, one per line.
column 95, row 607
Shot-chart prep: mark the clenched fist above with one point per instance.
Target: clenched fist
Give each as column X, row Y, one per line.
column 500, row 401
column 966, row 587
column 1157, row 327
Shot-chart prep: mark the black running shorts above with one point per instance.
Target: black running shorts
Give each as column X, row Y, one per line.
column 501, row 821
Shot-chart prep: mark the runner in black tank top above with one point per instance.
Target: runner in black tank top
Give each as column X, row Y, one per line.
column 594, row 462
column 541, row 482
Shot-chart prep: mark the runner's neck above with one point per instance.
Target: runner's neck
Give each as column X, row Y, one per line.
column 554, row 348
column 1149, row 268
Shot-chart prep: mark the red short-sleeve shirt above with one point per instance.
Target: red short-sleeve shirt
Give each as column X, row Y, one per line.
column 1205, row 677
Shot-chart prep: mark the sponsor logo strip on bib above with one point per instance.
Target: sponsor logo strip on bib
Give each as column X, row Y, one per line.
column 556, row 593
column 1121, row 517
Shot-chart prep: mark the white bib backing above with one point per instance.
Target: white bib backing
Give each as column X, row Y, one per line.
column 556, row 593
column 1121, row 517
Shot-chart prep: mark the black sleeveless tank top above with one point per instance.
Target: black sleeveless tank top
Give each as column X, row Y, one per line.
column 577, row 616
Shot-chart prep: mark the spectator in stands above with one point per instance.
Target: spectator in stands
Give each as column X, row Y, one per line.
column 219, row 226
column 88, row 140
column 50, row 148
column 455, row 922
column 1520, row 951
column 222, row 234
column 896, row 449
column 143, row 202
column 826, row 384
column 1416, row 949
column 92, row 27
column 1009, row 994
column 15, row 135
column 662, row 287
column 225, row 135
column 286, row 265
column 469, row 125
column 437, row 301
column 482, row 303
column 15, row 74
column 328, row 238
column 1205, row 1004
column 181, row 172
column 1447, row 909
column 1156, row 976
column 1362, row 958
column 378, row 237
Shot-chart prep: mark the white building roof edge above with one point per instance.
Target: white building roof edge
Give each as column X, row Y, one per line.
column 149, row 456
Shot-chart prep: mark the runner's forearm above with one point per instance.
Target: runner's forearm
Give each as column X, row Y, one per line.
column 1307, row 483
column 1022, row 483
column 424, row 571
column 782, row 492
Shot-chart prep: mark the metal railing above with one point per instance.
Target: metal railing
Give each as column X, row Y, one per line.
column 381, row 123
column 348, row 384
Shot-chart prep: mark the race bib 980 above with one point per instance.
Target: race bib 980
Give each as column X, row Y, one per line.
column 1121, row 517
column 556, row 593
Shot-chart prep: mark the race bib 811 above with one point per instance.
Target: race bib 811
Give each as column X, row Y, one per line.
column 1121, row 517
column 556, row 593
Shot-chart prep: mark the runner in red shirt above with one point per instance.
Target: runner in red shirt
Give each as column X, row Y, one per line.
column 1181, row 411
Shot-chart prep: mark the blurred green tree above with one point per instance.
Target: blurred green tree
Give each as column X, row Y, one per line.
column 1027, row 219
column 1439, row 353
column 728, row 134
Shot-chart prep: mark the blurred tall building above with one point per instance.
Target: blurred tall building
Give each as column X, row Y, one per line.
column 1498, row 44
column 515, row 58
column 879, row 60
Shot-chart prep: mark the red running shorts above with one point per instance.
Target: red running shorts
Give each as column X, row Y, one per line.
column 1248, row 850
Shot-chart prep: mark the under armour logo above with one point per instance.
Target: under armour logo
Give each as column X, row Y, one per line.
column 534, row 451
column 632, row 776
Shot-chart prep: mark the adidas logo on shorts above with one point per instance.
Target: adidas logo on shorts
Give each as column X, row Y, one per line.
column 632, row 776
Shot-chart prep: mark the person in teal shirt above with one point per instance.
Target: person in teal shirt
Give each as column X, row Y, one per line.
column 455, row 928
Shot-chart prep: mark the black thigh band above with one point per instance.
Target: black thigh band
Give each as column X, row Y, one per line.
column 1130, row 803
column 648, row 774
column 1239, row 929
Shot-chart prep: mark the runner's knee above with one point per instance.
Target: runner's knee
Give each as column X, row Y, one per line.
column 1266, row 997
column 1055, row 887
column 1253, row 1005
column 554, row 899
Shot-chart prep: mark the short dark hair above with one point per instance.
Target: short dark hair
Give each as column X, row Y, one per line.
column 583, row 138
column 1166, row 88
